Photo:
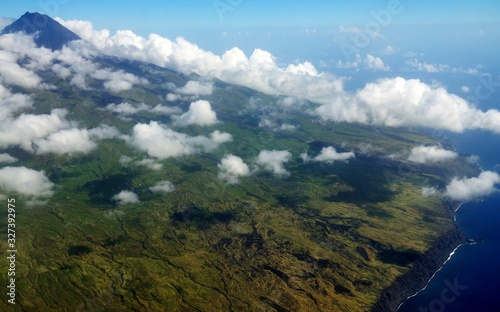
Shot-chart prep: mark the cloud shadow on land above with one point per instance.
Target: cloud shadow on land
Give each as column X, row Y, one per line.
column 399, row 258
column 369, row 182
column 101, row 191
column 199, row 217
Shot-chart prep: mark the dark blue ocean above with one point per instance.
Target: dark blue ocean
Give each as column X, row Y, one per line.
column 470, row 280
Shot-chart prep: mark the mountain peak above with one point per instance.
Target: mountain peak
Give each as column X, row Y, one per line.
column 48, row 32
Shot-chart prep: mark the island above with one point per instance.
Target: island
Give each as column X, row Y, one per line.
column 254, row 205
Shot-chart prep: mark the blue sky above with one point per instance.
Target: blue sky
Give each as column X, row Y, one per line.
column 153, row 16
column 198, row 20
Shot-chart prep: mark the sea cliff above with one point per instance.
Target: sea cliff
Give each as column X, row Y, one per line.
column 420, row 273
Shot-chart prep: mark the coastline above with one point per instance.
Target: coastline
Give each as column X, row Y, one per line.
column 427, row 284
column 418, row 277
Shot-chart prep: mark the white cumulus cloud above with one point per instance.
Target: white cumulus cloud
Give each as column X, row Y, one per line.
column 369, row 62
column 376, row 63
column 162, row 142
column 20, row 59
column 391, row 102
column 74, row 140
column 125, row 198
column 13, row 74
column 7, row 159
column 438, row 68
column 471, row 188
column 428, row 191
column 165, row 110
column 231, row 168
column 430, row 154
column 65, row 142
column 116, row 81
column 274, row 126
column 329, row 155
column 25, row 181
column 150, row 164
column 163, row 187
column 44, row 133
column 398, row 102
column 11, row 103
column 258, row 71
column 274, row 161
column 221, row 137
column 104, row 132
column 25, row 129
column 200, row 113
column 126, row 109
column 196, row 88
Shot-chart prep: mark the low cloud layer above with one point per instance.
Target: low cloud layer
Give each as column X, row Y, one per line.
column 329, row 155
column 274, row 162
column 44, row 133
column 21, row 59
column 369, row 62
column 430, row 154
column 439, row 68
column 126, row 109
column 390, row 102
column 259, row 71
column 5, row 22
column 472, row 188
column 26, row 182
column 231, row 168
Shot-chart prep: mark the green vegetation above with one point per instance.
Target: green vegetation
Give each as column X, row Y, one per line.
column 329, row 237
